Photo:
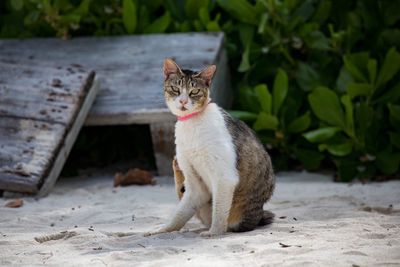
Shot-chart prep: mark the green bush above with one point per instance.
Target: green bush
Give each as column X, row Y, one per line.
column 317, row 80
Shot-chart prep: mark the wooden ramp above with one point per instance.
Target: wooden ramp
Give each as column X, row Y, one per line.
column 42, row 108
column 129, row 70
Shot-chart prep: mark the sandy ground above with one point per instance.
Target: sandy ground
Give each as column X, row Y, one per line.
column 318, row 223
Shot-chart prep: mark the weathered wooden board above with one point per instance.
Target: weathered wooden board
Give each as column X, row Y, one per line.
column 42, row 108
column 129, row 70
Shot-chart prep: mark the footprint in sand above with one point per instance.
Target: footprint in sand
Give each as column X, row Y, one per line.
column 373, row 236
column 355, row 253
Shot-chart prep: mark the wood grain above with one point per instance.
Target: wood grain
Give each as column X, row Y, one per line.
column 39, row 105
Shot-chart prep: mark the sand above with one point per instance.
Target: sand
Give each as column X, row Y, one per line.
column 318, row 223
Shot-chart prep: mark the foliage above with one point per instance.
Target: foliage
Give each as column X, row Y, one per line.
column 317, row 80
column 66, row 18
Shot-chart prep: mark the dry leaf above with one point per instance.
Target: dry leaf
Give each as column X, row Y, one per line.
column 15, row 203
column 134, row 176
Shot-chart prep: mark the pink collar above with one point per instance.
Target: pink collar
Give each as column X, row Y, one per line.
column 191, row 115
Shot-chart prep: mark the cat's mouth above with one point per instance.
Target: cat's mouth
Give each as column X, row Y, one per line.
column 183, row 108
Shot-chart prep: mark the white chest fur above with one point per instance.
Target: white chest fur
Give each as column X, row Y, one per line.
column 203, row 144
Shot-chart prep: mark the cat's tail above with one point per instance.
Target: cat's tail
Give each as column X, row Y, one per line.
column 267, row 218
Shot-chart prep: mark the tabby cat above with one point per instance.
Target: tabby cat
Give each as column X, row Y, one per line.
column 224, row 173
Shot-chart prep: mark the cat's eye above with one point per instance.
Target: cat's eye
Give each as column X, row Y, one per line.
column 194, row 92
column 175, row 89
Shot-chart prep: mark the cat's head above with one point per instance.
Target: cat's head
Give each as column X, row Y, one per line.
column 186, row 91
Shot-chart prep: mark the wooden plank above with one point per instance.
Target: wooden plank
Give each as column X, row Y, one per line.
column 41, row 110
column 69, row 140
column 129, row 69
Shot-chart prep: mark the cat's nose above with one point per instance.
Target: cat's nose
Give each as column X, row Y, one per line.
column 183, row 101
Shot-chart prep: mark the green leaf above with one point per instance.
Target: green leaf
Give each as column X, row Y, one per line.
column 245, row 62
column 204, row 16
column 339, row 150
column 129, row 16
column 248, row 99
column 349, row 115
column 372, row 68
column 213, row 26
column 326, row 106
column 307, row 77
column 264, row 97
column 192, row 7
column 359, row 89
column 395, row 139
column 300, row 124
column 321, row 134
column 266, row 122
column 305, row 10
column 355, row 64
column 343, row 80
column 262, row 24
column 280, row 90
column 242, row 10
column 311, row 159
column 317, row 40
column 387, row 161
column 389, row 68
column 246, row 36
column 83, row 8
column 160, row 25
column 243, row 115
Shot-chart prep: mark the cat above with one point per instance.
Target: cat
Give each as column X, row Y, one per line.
column 224, row 174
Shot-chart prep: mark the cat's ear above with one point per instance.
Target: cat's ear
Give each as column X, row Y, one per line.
column 170, row 67
column 207, row 74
